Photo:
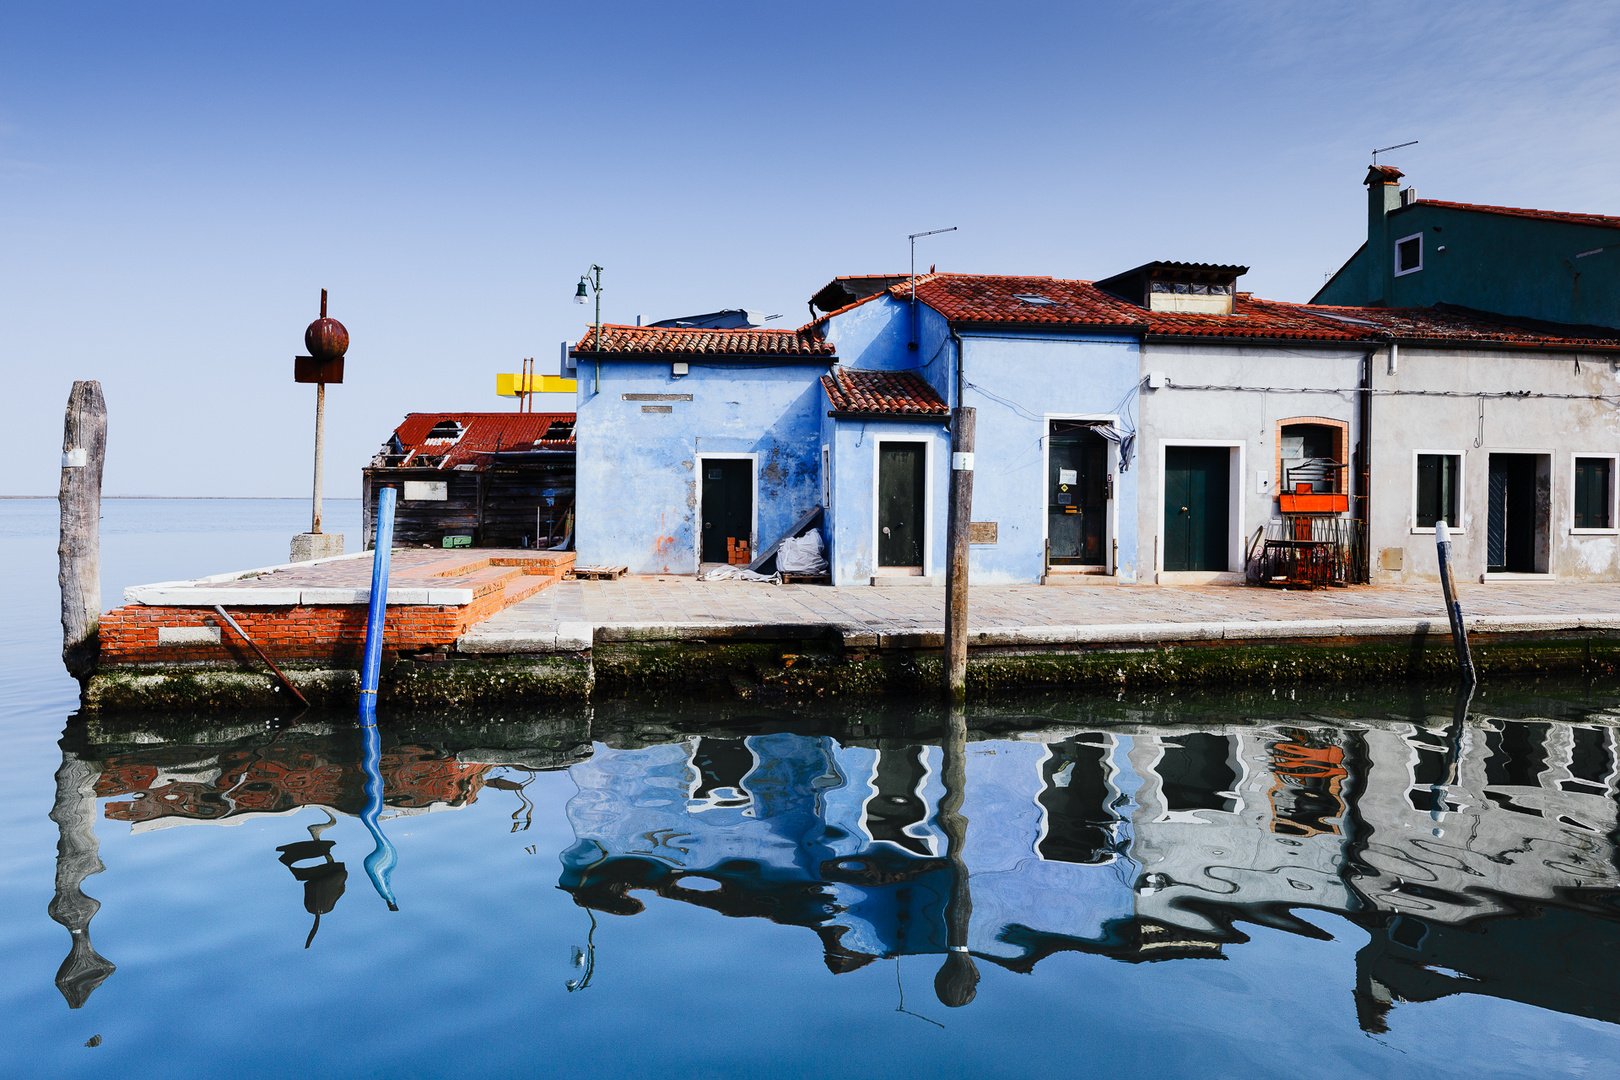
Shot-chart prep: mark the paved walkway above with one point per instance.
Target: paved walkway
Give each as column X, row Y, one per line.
column 573, row 614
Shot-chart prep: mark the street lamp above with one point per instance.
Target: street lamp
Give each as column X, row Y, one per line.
column 592, row 280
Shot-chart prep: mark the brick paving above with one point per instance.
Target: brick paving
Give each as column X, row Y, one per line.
column 570, row 611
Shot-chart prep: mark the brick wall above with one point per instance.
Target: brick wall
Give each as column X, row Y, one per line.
column 333, row 634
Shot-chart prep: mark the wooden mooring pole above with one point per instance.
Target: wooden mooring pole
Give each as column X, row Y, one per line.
column 956, row 540
column 78, row 552
column 1459, row 631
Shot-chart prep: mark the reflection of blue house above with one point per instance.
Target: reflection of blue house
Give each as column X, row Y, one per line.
column 690, row 437
column 845, row 840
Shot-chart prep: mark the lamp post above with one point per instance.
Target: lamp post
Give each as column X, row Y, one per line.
column 592, row 280
column 327, row 340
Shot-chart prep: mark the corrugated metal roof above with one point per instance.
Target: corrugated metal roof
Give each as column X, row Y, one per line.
column 480, row 437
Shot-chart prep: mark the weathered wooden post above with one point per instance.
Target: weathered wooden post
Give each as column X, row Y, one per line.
column 74, row 812
column 956, row 541
column 78, row 551
column 1459, row 631
column 327, row 341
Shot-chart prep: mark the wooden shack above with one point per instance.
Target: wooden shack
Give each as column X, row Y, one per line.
column 477, row 479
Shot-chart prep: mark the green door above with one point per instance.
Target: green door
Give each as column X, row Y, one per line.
column 900, row 504
column 1197, row 493
column 728, row 505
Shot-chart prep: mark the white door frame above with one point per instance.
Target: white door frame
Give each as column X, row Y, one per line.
column 753, row 485
column 1111, row 528
column 1235, row 523
column 928, row 498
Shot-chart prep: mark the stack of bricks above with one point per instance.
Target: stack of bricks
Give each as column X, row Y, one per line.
column 737, row 551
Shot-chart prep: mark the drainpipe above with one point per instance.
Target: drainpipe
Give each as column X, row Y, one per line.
column 959, row 349
column 1364, row 473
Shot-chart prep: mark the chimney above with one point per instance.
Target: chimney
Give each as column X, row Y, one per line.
column 1383, row 195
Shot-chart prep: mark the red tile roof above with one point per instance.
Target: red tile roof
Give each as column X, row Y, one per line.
column 1445, row 323
column 985, row 298
column 881, row 393
column 482, row 436
column 692, row 341
column 1005, row 300
column 1600, row 220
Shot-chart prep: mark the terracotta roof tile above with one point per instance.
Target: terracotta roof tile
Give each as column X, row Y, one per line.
column 881, row 393
column 984, row 298
column 692, row 341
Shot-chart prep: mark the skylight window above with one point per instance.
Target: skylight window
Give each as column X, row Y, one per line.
column 560, row 429
column 1031, row 298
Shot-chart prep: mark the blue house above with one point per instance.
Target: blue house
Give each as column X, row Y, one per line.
column 689, row 438
column 1051, row 368
column 693, row 440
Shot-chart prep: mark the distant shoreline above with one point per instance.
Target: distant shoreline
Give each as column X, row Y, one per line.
column 193, row 498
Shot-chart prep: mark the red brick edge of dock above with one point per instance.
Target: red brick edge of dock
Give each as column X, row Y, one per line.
column 328, row 633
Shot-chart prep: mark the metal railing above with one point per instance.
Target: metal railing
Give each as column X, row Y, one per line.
column 1310, row 551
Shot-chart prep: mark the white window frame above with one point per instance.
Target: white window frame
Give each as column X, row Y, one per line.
column 1462, row 494
column 1111, row 529
column 928, row 498
column 697, row 523
column 1236, row 523
column 1614, row 466
column 1395, row 254
column 826, row 476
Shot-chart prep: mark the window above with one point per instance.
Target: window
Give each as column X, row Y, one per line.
column 1310, row 462
column 1409, row 254
column 1438, row 481
column 1594, row 493
column 1031, row 298
column 559, row 430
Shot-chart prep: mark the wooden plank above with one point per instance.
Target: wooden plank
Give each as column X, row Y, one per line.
column 804, row 523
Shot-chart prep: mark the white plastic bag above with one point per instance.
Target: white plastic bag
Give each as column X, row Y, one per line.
column 803, row 555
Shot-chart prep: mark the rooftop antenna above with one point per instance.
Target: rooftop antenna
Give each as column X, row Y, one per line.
column 1387, row 149
column 913, row 238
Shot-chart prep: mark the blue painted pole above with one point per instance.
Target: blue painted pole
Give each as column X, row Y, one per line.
column 370, row 669
column 380, row 863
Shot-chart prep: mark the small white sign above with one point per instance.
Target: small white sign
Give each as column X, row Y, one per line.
column 76, row 458
column 962, row 462
column 1262, row 482
column 427, row 490
column 1068, row 476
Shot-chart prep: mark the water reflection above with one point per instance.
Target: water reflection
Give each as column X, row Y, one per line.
column 1477, row 852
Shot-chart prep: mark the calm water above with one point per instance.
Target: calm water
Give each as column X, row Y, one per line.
column 1298, row 884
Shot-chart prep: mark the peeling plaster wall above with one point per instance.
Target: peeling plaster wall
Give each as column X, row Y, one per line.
column 1562, row 428
column 637, row 478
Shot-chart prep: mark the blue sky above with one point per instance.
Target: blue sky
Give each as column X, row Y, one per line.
column 178, row 182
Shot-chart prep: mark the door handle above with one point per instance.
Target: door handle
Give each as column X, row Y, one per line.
column 707, row 525
column 1183, row 509
column 886, row 531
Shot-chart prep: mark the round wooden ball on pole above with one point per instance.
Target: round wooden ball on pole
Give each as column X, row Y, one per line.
column 327, row 340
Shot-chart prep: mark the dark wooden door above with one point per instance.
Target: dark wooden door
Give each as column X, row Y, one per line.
column 1197, row 492
column 1077, row 499
column 900, row 504
column 728, row 505
column 1510, row 540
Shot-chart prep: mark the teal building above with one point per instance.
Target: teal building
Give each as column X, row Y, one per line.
column 1530, row 264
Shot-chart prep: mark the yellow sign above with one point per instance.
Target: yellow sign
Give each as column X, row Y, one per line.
column 513, row 385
